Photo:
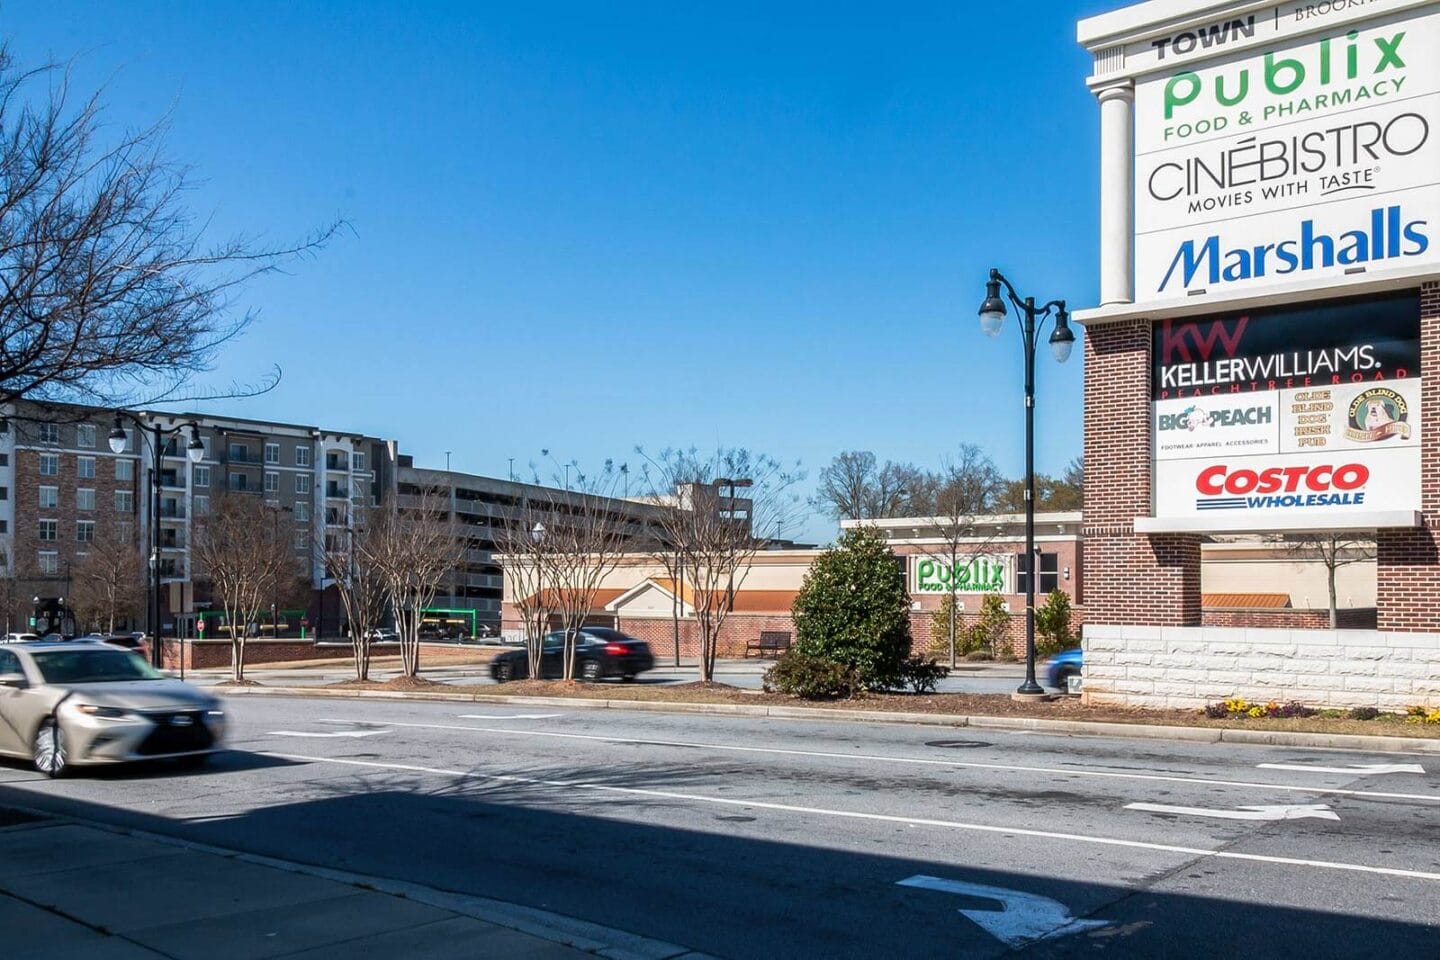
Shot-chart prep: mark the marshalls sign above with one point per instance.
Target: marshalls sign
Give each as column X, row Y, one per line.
column 1297, row 158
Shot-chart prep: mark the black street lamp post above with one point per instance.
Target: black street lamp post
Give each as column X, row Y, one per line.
column 195, row 451
column 1062, row 340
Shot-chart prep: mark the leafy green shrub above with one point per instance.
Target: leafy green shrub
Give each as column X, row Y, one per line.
column 940, row 629
column 810, row 678
column 1363, row 713
column 1052, row 624
column 921, row 674
column 854, row 609
column 991, row 629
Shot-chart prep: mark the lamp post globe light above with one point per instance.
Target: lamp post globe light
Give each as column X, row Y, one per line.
column 1062, row 341
column 194, row 452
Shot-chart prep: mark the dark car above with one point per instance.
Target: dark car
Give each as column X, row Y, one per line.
column 600, row 652
column 1061, row 667
column 126, row 642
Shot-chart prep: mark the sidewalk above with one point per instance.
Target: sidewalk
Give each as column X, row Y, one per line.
column 69, row 890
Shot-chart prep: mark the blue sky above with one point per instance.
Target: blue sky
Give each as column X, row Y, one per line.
column 585, row 227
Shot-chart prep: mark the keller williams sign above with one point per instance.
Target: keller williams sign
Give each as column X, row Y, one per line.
column 1285, row 412
column 1296, row 157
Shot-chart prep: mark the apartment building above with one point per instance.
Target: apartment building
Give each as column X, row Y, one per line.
column 61, row 486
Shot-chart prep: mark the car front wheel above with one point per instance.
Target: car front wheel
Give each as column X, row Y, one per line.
column 49, row 749
column 504, row 672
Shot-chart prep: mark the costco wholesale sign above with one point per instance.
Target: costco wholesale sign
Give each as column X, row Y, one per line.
column 1288, row 414
column 1292, row 158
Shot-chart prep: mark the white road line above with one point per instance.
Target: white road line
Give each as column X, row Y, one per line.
column 1303, row 811
column 513, row 716
column 921, row 761
column 876, row 817
column 1358, row 770
column 339, row 733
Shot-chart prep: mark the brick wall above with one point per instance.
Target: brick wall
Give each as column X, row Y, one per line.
column 1359, row 618
column 1130, row 578
column 1407, row 575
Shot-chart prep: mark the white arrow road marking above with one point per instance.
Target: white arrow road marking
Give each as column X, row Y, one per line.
column 1301, row 811
column 1022, row 918
column 1008, row 832
column 337, row 733
column 1359, row 769
column 513, row 716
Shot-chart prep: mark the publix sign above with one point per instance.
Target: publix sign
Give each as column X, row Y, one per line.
column 984, row 574
column 1301, row 156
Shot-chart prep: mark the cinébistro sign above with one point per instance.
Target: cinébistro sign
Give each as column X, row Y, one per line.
column 1306, row 156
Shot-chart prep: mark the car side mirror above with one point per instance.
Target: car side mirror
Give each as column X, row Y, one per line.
column 16, row 680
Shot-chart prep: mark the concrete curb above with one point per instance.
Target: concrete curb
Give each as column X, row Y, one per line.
column 1078, row 728
column 582, row 935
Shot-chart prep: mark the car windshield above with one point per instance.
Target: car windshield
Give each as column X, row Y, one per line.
column 605, row 635
column 92, row 666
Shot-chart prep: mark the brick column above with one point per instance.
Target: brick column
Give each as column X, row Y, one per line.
column 1130, row 578
column 1407, row 574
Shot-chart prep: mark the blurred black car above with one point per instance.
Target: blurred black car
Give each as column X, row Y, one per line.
column 600, row 652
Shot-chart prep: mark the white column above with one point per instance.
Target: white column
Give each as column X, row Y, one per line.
column 1117, row 193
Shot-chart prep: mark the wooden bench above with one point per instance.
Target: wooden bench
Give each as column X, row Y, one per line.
column 772, row 643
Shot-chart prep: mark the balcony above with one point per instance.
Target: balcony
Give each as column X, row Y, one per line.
column 175, row 511
column 246, row 458
column 333, row 491
column 337, row 464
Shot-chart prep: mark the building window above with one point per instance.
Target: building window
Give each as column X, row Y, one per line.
column 272, row 453
column 239, row 452
column 124, row 501
column 85, row 436
column 302, row 456
column 85, row 468
column 302, row 483
column 302, row 512
column 49, row 496
column 272, row 482
column 202, row 506
column 124, row 469
column 49, row 563
column 50, row 433
column 302, row 539
column 4, row 493
column 357, row 462
column 49, row 529
column 4, row 528
column 202, row 476
column 85, row 498
column 4, row 459
column 1049, row 573
column 85, row 531
column 49, row 465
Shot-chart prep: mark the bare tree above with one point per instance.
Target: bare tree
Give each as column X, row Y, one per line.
column 968, row 487
column 717, row 532
column 108, row 296
column 587, row 536
column 348, row 559
column 109, row 581
column 854, row 486
column 243, row 548
column 414, row 546
column 9, row 593
column 530, row 568
column 1334, row 550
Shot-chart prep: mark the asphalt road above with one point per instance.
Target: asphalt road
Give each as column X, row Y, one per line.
column 773, row 839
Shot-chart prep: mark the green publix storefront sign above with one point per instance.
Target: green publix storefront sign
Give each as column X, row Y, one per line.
column 972, row 575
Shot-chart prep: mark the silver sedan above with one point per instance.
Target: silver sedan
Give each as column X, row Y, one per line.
column 68, row 704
